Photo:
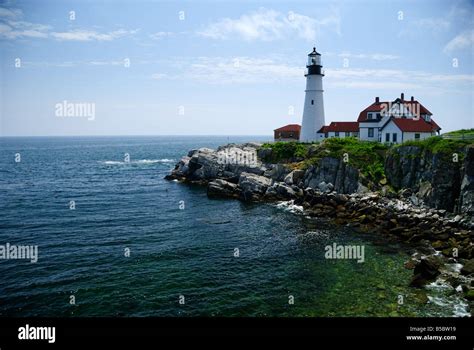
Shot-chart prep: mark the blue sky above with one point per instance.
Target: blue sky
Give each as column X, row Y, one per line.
column 226, row 67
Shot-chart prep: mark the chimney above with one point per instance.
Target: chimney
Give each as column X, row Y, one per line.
column 377, row 100
column 402, row 96
column 412, row 99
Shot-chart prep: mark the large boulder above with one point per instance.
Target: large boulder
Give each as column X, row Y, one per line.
column 294, row 177
column 222, row 188
column 425, row 271
column 277, row 172
column 283, row 190
column 468, row 267
column 253, row 186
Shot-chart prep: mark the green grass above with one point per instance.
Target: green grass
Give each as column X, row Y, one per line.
column 366, row 156
column 287, row 151
column 437, row 144
column 465, row 132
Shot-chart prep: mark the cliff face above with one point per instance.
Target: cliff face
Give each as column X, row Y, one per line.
column 344, row 178
column 435, row 178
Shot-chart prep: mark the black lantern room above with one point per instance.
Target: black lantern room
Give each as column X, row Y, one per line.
column 314, row 63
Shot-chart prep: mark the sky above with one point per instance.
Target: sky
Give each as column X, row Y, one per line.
column 225, row 67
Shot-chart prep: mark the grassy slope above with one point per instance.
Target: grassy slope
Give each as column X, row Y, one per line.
column 366, row 156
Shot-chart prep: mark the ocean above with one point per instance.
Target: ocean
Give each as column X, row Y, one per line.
column 116, row 239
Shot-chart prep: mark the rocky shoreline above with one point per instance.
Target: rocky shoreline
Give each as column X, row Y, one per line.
column 440, row 236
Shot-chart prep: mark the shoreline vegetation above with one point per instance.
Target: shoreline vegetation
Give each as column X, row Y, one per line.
column 418, row 192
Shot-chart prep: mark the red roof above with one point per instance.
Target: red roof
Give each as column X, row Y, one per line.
column 378, row 106
column 323, row 130
column 415, row 125
column 289, row 127
column 340, row 127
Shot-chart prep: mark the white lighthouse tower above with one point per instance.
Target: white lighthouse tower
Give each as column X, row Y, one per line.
column 313, row 112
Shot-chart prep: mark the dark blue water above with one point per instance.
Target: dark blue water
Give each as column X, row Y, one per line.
column 174, row 251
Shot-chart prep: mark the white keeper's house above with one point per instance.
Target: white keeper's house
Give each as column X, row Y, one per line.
column 388, row 122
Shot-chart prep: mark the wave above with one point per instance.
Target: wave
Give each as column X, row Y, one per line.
column 139, row 161
column 290, row 206
column 447, row 297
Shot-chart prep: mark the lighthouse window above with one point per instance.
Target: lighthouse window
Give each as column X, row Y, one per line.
column 312, row 102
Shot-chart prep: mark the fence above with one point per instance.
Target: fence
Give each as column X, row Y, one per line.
column 460, row 136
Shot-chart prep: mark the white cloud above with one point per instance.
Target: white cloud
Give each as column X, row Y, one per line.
column 159, row 76
column 247, row 70
column 461, row 41
column 161, row 35
column 373, row 56
column 106, row 63
column 13, row 29
column 267, row 25
column 395, row 79
column 219, row 70
column 10, row 13
column 90, row 35
column 421, row 26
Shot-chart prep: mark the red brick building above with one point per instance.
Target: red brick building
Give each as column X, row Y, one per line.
column 290, row 132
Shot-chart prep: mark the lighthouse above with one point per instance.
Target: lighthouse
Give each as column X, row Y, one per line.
column 313, row 112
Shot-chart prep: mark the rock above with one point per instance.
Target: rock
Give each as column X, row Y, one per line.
column 466, row 198
column 221, row 188
column 469, row 295
column 410, row 264
column 276, row 172
column 342, row 176
column 425, row 271
column 468, row 267
column 253, row 186
column 294, row 177
column 284, row 190
column 325, row 188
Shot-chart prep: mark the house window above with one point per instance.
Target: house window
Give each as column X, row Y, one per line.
column 371, row 132
column 394, row 137
column 387, row 137
column 369, row 116
column 312, row 102
column 348, row 134
column 326, row 135
column 379, row 116
column 337, row 133
column 417, row 136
